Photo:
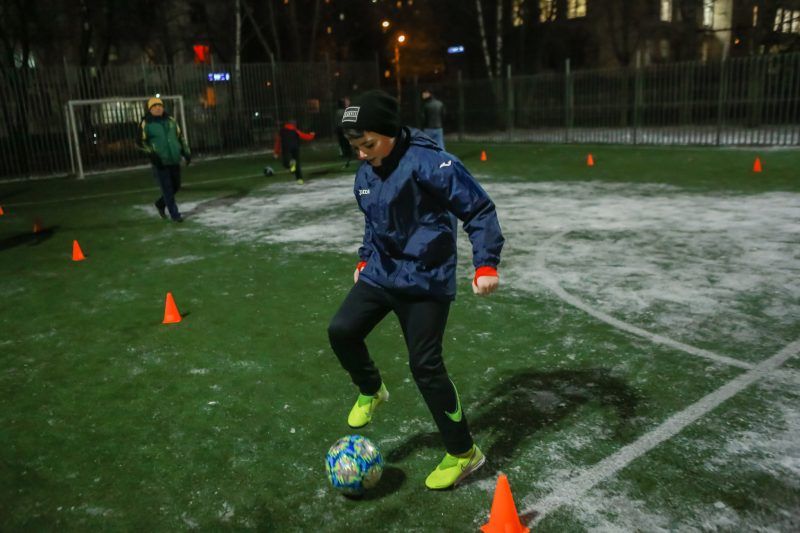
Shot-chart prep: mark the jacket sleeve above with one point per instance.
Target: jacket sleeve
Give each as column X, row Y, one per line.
column 455, row 189
column 185, row 151
column 306, row 136
column 365, row 250
column 142, row 142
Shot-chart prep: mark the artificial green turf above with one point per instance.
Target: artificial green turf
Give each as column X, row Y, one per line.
column 110, row 420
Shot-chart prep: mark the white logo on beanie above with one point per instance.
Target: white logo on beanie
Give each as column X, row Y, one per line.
column 351, row 114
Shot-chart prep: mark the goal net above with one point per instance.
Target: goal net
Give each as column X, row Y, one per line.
column 102, row 133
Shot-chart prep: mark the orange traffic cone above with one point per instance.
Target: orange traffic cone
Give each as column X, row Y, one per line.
column 77, row 253
column 503, row 518
column 483, row 155
column 757, row 165
column 589, row 161
column 1, row 211
column 37, row 226
column 171, row 314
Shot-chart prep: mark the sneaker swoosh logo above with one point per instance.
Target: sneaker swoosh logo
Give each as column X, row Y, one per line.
column 446, row 164
column 456, row 416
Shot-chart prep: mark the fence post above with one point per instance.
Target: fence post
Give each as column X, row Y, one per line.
column 721, row 100
column 75, row 140
column 460, row 107
column 509, row 103
column 274, row 85
column 567, row 101
column 638, row 94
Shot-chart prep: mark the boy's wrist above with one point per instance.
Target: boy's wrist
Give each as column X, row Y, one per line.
column 485, row 271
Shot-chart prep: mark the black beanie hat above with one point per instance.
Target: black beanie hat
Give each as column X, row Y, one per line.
column 373, row 111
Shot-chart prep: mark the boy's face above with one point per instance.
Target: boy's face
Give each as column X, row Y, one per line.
column 373, row 147
column 157, row 110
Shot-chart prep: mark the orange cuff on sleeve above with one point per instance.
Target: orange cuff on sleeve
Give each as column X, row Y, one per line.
column 484, row 271
column 360, row 266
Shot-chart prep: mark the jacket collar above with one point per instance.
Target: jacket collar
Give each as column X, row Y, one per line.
column 391, row 161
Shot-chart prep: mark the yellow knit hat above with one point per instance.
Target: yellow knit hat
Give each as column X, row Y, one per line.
column 154, row 101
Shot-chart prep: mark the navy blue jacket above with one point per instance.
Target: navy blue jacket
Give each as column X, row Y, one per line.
column 410, row 211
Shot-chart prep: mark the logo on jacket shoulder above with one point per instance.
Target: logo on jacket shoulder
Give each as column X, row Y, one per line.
column 350, row 114
column 362, row 192
column 446, row 164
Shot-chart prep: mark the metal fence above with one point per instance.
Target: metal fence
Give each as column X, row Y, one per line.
column 742, row 101
column 222, row 116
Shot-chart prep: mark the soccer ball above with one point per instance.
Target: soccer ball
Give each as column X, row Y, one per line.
column 268, row 171
column 354, row 464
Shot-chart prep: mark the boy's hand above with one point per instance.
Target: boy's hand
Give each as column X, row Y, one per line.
column 485, row 281
column 359, row 268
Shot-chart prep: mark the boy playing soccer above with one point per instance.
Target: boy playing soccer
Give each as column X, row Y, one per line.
column 411, row 193
column 287, row 146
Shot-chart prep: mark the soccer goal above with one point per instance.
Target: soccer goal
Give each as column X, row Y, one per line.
column 102, row 133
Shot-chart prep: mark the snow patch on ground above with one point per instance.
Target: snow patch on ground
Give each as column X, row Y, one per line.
column 692, row 266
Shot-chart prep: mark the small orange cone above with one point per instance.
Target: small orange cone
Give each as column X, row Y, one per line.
column 757, row 165
column 589, row 161
column 503, row 518
column 483, row 155
column 77, row 253
column 1, row 211
column 171, row 314
column 37, row 226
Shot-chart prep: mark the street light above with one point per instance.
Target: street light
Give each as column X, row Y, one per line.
column 401, row 39
column 385, row 24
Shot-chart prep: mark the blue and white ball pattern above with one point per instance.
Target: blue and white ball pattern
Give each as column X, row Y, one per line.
column 354, row 464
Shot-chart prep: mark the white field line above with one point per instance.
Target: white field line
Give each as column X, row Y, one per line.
column 570, row 492
column 186, row 187
column 551, row 283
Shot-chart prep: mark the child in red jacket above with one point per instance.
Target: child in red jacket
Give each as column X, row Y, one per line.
column 287, row 145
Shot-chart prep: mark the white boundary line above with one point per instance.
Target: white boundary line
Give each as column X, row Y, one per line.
column 570, row 491
column 186, row 187
column 551, row 283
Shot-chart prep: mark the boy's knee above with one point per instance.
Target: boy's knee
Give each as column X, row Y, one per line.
column 426, row 373
column 340, row 329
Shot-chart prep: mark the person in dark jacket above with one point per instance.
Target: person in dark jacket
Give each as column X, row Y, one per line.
column 412, row 193
column 345, row 150
column 432, row 116
column 161, row 139
column 287, row 146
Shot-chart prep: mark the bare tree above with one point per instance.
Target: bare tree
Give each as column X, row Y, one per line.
column 484, row 43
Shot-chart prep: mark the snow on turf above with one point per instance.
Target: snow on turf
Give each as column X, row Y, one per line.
column 697, row 267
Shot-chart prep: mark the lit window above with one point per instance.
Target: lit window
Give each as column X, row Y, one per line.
column 666, row 10
column 576, row 8
column 708, row 13
column 516, row 13
column 787, row 20
column 547, row 10
column 755, row 16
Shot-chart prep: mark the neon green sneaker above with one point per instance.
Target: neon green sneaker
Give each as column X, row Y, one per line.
column 300, row 182
column 292, row 166
column 361, row 413
column 452, row 470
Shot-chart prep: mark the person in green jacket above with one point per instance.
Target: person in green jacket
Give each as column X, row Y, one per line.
column 161, row 139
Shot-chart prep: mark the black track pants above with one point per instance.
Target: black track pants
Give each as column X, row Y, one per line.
column 423, row 321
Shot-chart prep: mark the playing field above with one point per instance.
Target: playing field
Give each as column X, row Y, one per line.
column 637, row 371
